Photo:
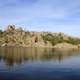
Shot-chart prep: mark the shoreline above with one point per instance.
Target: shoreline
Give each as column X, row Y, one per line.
column 53, row 47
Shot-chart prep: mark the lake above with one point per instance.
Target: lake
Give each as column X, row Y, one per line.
column 18, row 63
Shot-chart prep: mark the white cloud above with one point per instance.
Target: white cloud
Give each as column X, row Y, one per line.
column 42, row 13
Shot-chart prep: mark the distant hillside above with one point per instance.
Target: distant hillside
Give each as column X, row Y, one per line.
column 18, row 37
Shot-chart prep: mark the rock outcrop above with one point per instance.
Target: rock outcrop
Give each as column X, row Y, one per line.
column 13, row 36
column 65, row 45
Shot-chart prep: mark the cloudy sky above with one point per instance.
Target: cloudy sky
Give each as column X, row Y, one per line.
column 42, row 15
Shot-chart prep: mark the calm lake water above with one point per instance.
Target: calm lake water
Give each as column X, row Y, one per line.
column 18, row 63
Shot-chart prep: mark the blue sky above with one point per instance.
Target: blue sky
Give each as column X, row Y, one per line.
column 42, row 15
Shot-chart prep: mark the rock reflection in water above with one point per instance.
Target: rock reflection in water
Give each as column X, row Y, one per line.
column 11, row 55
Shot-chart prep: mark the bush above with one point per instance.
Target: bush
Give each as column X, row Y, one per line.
column 73, row 41
column 59, row 39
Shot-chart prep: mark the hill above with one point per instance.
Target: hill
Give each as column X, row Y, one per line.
column 13, row 36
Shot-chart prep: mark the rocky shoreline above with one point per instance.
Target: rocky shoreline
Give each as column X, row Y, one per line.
column 63, row 46
column 18, row 37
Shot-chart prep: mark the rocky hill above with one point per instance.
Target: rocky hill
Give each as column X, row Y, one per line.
column 13, row 36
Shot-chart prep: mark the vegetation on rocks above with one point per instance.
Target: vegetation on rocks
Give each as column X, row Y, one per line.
column 60, row 38
column 13, row 36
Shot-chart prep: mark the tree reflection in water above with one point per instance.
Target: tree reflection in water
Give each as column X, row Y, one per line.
column 12, row 55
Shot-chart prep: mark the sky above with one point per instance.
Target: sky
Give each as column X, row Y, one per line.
column 42, row 15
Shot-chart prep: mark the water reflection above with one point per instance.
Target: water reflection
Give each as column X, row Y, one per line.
column 11, row 55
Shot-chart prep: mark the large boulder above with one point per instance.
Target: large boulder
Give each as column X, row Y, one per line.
column 64, row 45
column 10, row 28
